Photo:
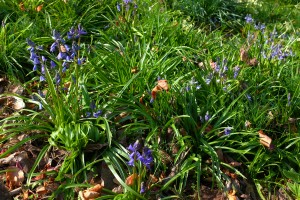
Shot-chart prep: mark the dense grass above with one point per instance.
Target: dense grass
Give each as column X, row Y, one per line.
column 202, row 130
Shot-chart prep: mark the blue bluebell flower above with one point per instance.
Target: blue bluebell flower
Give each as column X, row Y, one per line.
column 227, row 130
column 118, row 7
column 143, row 188
column 97, row 113
column 52, row 64
column 249, row 19
column 42, row 78
column 146, row 157
column 207, row 116
column 80, row 31
column 236, row 71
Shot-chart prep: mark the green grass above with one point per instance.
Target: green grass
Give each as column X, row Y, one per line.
column 106, row 100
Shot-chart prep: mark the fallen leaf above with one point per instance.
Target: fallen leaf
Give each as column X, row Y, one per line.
column 244, row 55
column 18, row 103
column 265, row 140
column 39, row 8
column 130, row 180
column 14, row 177
column 161, row 85
column 91, row 193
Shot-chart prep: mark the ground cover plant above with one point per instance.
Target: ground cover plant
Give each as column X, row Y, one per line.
column 149, row 100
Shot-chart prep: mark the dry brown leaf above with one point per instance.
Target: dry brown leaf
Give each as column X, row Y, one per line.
column 161, row 85
column 265, row 140
column 18, row 103
column 130, row 180
column 244, row 55
column 22, row 7
column 88, row 195
column 14, row 177
column 213, row 65
column 252, row 62
column 41, row 190
column 39, row 8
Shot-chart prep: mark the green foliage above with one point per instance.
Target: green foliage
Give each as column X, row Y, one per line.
column 108, row 93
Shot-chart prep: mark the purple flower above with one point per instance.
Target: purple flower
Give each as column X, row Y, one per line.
column 52, row 64
column 79, row 61
column 236, row 71
column 97, row 114
column 118, row 7
column 227, row 130
column 151, row 100
column 71, row 33
column 146, row 158
column 260, row 26
column 88, row 114
column 33, row 55
column 42, row 78
column 249, row 19
column 207, row 116
column 249, row 97
column 127, row 1
column 57, row 79
column 43, row 69
column 30, row 43
column 36, row 61
column 80, row 31
column 61, row 55
column 143, row 188
column 53, row 46
column 35, row 67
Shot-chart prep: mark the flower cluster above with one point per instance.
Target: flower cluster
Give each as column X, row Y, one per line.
column 145, row 158
column 66, row 53
column 39, row 61
column 96, row 113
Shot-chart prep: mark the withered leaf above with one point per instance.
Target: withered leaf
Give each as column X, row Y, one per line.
column 265, row 140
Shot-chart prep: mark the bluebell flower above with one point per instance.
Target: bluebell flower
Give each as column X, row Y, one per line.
column 80, row 31
column 249, row 97
column 227, row 130
column 36, row 61
column 151, row 100
column 42, row 78
column 127, row 1
column 88, row 114
column 33, row 55
column 61, row 55
column 260, row 26
column 57, row 78
column 30, row 43
column 207, row 116
column 118, row 7
column 249, row 19
column 236, row 71
column 53, row 46
column 97, row 114
column 79, row 61
column 35, row 67
column 43, row 69
column 134, row 155
column 44, row 59
column 56, row 36
column 143, row 188
column 52, row 64
column 71, row 33
column 146, row 157
column 198, row 87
